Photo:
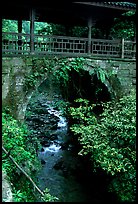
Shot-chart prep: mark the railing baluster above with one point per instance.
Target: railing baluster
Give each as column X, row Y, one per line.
column 122, row 48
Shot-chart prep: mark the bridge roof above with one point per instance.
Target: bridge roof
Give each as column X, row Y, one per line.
column 64, row 12
column 115, row 5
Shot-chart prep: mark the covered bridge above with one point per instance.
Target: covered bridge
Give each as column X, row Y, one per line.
column 69, row 14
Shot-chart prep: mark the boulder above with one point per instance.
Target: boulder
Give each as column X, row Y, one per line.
column 6, row 189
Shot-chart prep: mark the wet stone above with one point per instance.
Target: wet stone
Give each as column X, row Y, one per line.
column 43, row 162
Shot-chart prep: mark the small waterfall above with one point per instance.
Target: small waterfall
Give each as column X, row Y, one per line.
column 52, row 148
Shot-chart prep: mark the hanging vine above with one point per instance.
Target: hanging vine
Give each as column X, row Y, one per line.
column 61, row 69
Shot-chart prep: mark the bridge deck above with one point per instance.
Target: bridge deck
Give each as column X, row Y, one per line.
column 15, row 44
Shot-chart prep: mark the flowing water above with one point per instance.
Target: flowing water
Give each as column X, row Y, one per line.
column 59, row 166
column 67, row 175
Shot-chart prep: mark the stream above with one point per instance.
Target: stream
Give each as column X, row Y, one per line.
column 67, row 175
column 58, row 172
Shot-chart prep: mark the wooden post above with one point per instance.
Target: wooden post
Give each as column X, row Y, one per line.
column 20, row 32
column 32, row 19
column 134, row 44
column 89, row 34
column 122, row 50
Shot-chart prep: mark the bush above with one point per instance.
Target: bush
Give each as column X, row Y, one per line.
column 15, row 139
column 110, row 139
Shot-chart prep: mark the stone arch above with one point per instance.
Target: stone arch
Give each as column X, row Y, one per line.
column 16, row 69
column 25, row 100
column 47, row 87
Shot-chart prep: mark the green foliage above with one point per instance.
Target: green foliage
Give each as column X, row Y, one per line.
column 31, row 80
column 82, row 114
column 26, row 27
column 63, row 69
column 129, row 13
column 20, row 194
column 23, row 190
column 123, row 30
column 65, row 66
column 9, row 26
column 59, row 67
column 15, row 139
column 101, row 73
column 48, row 197
column 79, row 31
column 39, row 70
column 61, row 106
column 42, row 28
column 96, row 32
column 50, row 29
column 57, row 29
column 124, row 27
column 110, row 140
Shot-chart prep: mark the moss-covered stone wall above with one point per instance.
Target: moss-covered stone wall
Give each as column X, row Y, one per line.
column 22, row 75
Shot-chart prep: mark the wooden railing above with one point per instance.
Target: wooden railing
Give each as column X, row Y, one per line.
column 15, row 43
column 19, row 44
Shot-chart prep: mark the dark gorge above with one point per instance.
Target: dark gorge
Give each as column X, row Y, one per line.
column 66, row 174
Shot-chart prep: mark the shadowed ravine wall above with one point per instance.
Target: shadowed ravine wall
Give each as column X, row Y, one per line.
column 15, row 73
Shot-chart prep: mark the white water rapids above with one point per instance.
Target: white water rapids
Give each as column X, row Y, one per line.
column 52, row 148
column 62, row 125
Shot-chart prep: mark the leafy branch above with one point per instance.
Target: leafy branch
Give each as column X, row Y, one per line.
column 19, row 167
column 45, row 196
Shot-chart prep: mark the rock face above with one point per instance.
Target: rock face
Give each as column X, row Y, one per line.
column 6, row 189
